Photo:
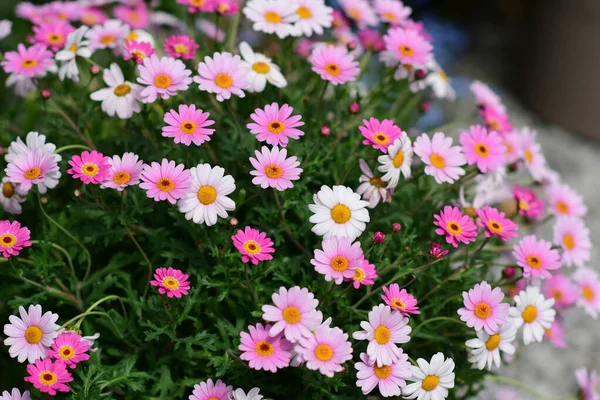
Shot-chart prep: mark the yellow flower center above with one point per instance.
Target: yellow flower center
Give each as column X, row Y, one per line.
column 528, row 156
column 264, row 348
column 33, row 334
column 122, row 90
column 381, row 138
column 304, row 12
column 443, row 75
column 252, row 247
column 197, row 3
column 509, row 147
column 165, row 184
column 529, row 314
column 48, row 378
column 557, row 295
column 132, row 36
column 188, row 127
column 534, row 262
column 354, row 13
column 33, row 173
column 323, row 352
column 340, row 213
column 406, row 51
column 138, row 54
column 89, row 169
column 180, row 49
column 291, row 315
column 382, row 372
column 430, row 382
column 8, row 240
column 29, row 63
column 121, row 177
column 339, row 263
column 437, row 161
column 66, row 352
column 261, row 67
column 482, row 310
column 273, row 171
column 224, row 81
column 170, row 283
column 454, row 228
column 73, row 48
column 272, row 17
column 89, row 19
column 359, row 275
column 54, row 38
column 108, row 39
column 377, row 182
column 523, row 205
column 8, row 190
column 587, row 293
column 276, row 127
column 568, row 241
column 207, row 194
column 495, row 226
column 398, row 159
column 398, row 304
column 562, row 207
column 482, row 150
column 333, row 69
column 382, row 334
column 388, row 16
column 162, row 81
column 493, row 342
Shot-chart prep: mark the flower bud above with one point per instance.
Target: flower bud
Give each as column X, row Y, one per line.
column 470, row 211
column 419, row 74
column 233, row 221
column 425, row 106
column 354, row 107
column 396, row 227
column 352, row 44
column 509, row 272
column 44, row 200
column 94, row 70
column 45, row 93
column 325, row 131
column 378, row 237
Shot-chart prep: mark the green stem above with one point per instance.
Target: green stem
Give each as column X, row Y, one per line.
column 73, row 125
column 71, row 146
column 487, row 239
column 427, row 321
column 90, row 308
column 249, row 285
column 70, row 262
column 55, row 292
column 233, row 30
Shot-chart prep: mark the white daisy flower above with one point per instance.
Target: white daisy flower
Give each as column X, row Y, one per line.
column 31, row 335
column 398, row 159
column 486, row 348
column 338, row 211
column 11, row 196
column 431, row 380
column 272, row 16
column 75, row 46
column 313, row 16
column 33, row 141
column 439, row 82
column 372, row 188
column 238, row 394
column 141, row 35
column 262, row 69
column 207, row 195
column 534, row 311
column 120, row 97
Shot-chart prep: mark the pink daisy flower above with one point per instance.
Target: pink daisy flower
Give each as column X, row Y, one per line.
column 364, row 275
column 109, row 35
column 334, row 64
column 227, row 7
column 69, row 348
column 392, row 11
column 32, row 62
column 588, row 283
column 52, row 35
column 13, row 238
column 189, row 125
column 273, row 169
column 385, row 329
column 163, row 76
column 360, row 11
column 89, row 167
column 38, row 167
column 181, row 46
column 224, row 74
column 390, row 379
column 573, row 236
column 484, row 308
column 165, row 181
column 211, row 391
column 373, row 188
column 564, row 201
column 91, row 16
column 171, row 281
column 380, row 134
column 136, row 17
column 49, row 377
column 326, row 350
column 560, row 288
column 485, row 97
column 536, row 257
column 512, row 145
column 124, row 171
column 436, row 252
column 443, row 161
column 556, row 334
column 496, row 224
column 486, row 150
column 263, row 351
column 495, row 121
column 588, row 382
column 457, row 228
column 275, row 125
column 371, row 40
column 400, row 300
column 254, row 245
column 294, row 313
column 338, row 260
column 528, row 203
column 531, row 151
column 137, row 51
column 407, row 46
column 195, row 6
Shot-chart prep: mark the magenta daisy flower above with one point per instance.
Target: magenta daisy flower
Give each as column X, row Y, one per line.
column 124, row 171
column 512, row 145
column 224, row 74
column 536, row 257
column 164, row 77
column 263, row 351
column 573, row 236
column 69, row 348
column 443, row 161
column 165, row 181
column 588, row 283
column 486, row 150
column 294, row 313
column 457, row 228
column 273, row 169
column 560, row 288
column 339, row 259
column 89, row 167
column 182, row 47
column 171, row 281
column 494, row 120
column 528, row 203
column 13, row 238
column 189, row 125
column 52, row 35
column 407, row 46
column 380, row 134
column 211, row 391
column 334, row 64
column 400, row 300
column 32, row 62
column 364, row 275
column 137, row 51
column 436, row 252
column 49, row 377
column 30, row 336
column 195, row 6
column 484, row 308
column 389, row 379
column 254, row 245
column 275, row 125
column 485, row 97
column 326, row 350
column 564, row 201
column 496, row 224
column 38, row 167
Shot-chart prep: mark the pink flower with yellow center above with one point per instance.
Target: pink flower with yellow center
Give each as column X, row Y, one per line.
column 181, row 46
column 31, row 335
column 13, row 237
column 495, row 121
column 52, row 35
column 109, row 35
column 89, row 167
column 334, row 64
column 556, row 334
column 496, row 224
column 571, row 234
column 528, row 203
column 560, row 288
column 392, row 11
column 275, row 125
column 124, row 171
column 457, row 228
column 224, row 74
column 380, row 134
column 338, row 260
column 484, row 308
column 195, row 6
column 364, row 275
column 189, row 125
column 400, row 300
column 407, row 47
column 564, row 201
column 136, row 17
column 389, row 379
column 482, row 148
column 137, row 51
column 49, row 377
column 274, row 169
column 588, row 283
column 443, row 161
column 164, row 77
column 32, row 62
column 263, row 351
column 325, row 350
column 69, row 348
column 536, row 257
column 171, row 281
column 360, row 11
column 165, row 181
column 210, row 390
column 254, row 245
column 34, row 167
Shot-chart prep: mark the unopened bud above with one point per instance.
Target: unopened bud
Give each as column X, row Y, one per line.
column 378, row 237
column 233, row 221
column 46, row 93
column 354, row 107
column 396, row 227
column 325, row 131
column 94, row 70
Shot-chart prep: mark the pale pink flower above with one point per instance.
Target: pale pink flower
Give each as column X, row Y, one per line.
column 274, row 169
column 392, row 11
column 390, row 379
column 512, row 145
column 400, row 300
column 15, row 394
column 380, row 134
column 588, row 283
column 556, row 334
column 496, row 224
column 457, row 228
column 30, row 336
column 210, row 390
column 326, row 350
column 443, row 161
column 89, row 167
column 484, row 308
column 263, row 351
column 334, row 64
column 482, row 148
column 171, row 281
column 165, row 181
column 536, row 257
column 182, row 47
column 372, row 188
column 91, row 16
column 69, row 348
column 564, row 201
column 495, row 121
column 224, row 74
column 531, row 151
column 164, row 77
column 124, row 171
column 136, row 17
column 338, row 260
column 32, row 62
column 275, row 125
column 560, row 288
column 485, row 97
column 110, row 34
column 588, row 384
column 35, row 167
column 408, row 47
column 573, row 236
column 254, row 245
column 49, row 377
column 360, row 11
column 188, row 126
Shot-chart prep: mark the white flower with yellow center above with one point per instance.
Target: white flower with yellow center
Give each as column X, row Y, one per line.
column 75, row 46
column 120, row 97
column 271, row 16
column 534, row 312
column 486, row 348
column 207, row 196
column 432, row 380
column 338, row 211
column 439, row 82
column 262, row 70
column 397, row 160
column 313, row 16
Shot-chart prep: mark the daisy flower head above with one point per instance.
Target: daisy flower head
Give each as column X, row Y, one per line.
column 400, row 300
column 272, row 168
column 254, row 245
column 33, row 141
column 485, row 349
column 564, row 201
column 89, row 167
column 36, row 167
column 495, row 121
column 533, row 311
column 52, row 35
column 536, row 257
column 496, row 224
column 562, row 290
column 443, row 161
column 338, row 211
column 11, row 196
column 224, row 74
column 397, row 160
column 13, row 237
column 334, row 64
column 109, row 35
column 294, row 313
column 69, row 348
column 588, row 383
column 389, row 379
column 165, row 181
column 360, row 11
column 137, row 51
column 239, row 394
column 484, row 308
column 571, row 234
column 533, row 157
column 124, row 171
column 49, row 377
column 371, row 40
column 136, row 17
column 275, row 125
column 163, row 77
column 381, row 134
column 15, row 394
column 91, row 16
column 261, row 70
column 264, row 351
column 121, row 97
column 271, row 17
column 195, row 6
column 457, row 228
column 436, row 252
column 408, row 47
column 189, row 125
column 372, row 188
column 528, row 203
column 364, row 275
column 325, row 350
column 171, row 281
column 210, row 390
column 313, row 16
column 512, row 145
column 392, row 12
column 385, row 329
column 588, row 284
column 227, row 7
column 485, row 97
column 439, row 82
column 140, row 35
column 339, row 259
column 482, row 148
column 207, row 195
column 556, row 334
column 31, row 335
column 431, row 380
column 32, row 62
column 181, row 46
column 74, row 47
